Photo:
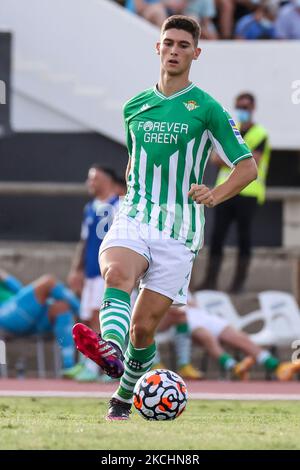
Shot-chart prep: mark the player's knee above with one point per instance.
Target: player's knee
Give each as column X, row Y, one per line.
column 117, row 276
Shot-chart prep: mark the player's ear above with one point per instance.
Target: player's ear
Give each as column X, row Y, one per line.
column 157, row 48
column 197, row 53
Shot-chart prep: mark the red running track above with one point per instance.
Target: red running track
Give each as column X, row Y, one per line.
column 197, row 389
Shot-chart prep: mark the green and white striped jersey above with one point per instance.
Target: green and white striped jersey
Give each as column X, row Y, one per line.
column 169, row 140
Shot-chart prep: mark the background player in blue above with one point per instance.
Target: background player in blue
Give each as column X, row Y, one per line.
column 85, row 277
column 40, row 307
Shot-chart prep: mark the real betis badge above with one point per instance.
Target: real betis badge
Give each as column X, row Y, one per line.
column 191, row 105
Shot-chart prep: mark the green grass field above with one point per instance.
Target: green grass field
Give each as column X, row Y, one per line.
column 62, row 423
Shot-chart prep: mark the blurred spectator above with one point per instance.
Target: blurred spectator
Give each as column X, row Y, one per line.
column 241, row 208
column 287, row 25
column 213, row 333
column 203, row 11
column 152, row 10
column 155, row 11
column 259, row 24
column 44, row 306
column 226, row 10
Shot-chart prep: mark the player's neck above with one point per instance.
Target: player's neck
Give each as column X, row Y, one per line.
column 169, row 85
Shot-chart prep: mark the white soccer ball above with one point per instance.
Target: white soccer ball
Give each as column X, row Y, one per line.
column 160, row 395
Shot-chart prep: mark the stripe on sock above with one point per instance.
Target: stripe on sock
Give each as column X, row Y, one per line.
column 115, row 315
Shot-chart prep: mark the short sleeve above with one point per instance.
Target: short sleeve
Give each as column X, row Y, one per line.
column 225, row 136
column 127, row 130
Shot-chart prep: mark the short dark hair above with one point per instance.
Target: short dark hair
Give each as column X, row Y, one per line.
column 108, row 171
column 183, row 22
column 246, row 96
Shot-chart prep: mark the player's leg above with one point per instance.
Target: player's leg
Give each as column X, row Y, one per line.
column 20, row 313
column 148, row 311
column 207, row 330
column 245, row 212
column 166, row 282
column 223, row 217
column 120, row 267
column 240, row 340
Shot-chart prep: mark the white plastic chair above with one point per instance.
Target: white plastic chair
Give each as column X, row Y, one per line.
column 219, row 303
column 281, row 319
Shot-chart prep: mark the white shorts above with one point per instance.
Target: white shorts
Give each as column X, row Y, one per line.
column 170, row 261
column 91, row 297
column 199, row 318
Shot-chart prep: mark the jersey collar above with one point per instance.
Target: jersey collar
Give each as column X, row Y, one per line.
column 178, row 93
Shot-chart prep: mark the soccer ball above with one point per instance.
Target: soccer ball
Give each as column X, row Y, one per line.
column 160, row 395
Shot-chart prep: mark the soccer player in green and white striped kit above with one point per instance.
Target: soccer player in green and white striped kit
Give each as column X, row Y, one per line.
column 170, row 130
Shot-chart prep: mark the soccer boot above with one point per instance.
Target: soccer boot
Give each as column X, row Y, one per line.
column 105, row 353
column 189, row 372
column 241, row 369
column 118, row 410
column 286, row 370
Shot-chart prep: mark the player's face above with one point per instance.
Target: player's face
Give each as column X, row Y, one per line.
column 96, row 181
column 177, row 50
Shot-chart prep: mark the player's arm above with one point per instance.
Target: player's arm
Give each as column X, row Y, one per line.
column 243, row 173
column 230, row 146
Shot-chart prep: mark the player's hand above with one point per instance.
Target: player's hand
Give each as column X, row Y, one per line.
column 75, row 281
column 201, row 194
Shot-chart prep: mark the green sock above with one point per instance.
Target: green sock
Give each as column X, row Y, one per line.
column 226, row 361
column 267, row 360
column 137, row 363
column 114, row 316
column 271, row 363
